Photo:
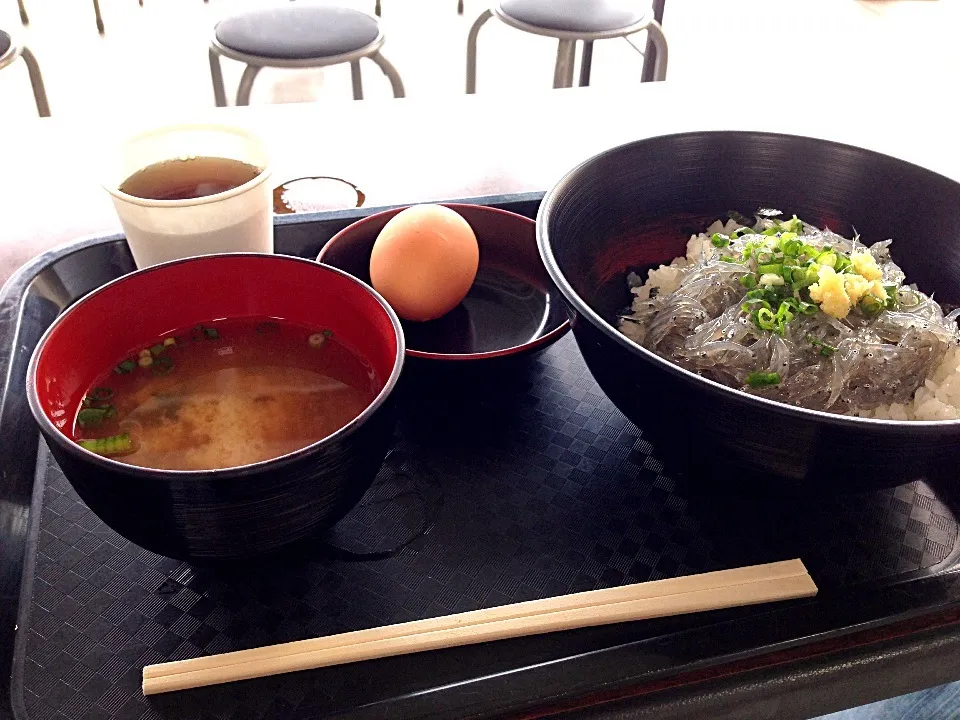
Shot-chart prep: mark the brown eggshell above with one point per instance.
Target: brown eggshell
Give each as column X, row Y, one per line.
column 424, row 261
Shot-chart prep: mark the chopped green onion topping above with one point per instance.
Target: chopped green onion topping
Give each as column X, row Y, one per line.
column 157, row 349
column 893, row 297
column 828, row 258
column 793, row 225
column 825, row 350
column 211, row 333
column 871, row 305
column 784, row 311
column 755, row 304
column 790, row 245
column 328, row 333
column 765, row 319
column 763, row 379
column 792, row 248
column 912, row 299
column 783, row 267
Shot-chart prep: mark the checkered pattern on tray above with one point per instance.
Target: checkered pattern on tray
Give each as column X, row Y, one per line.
column 534, row 489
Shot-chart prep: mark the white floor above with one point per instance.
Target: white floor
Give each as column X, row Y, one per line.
column 156, row 56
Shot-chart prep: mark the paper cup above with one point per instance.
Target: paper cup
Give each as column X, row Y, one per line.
column 237, row 220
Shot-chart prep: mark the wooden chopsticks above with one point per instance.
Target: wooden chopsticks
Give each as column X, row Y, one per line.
column 676, row 596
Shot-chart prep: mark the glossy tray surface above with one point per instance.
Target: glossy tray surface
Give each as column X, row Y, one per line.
column 522, row 485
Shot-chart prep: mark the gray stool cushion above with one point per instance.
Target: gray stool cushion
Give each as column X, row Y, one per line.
column 298, row 32
column 585, row 16
column 5, row 42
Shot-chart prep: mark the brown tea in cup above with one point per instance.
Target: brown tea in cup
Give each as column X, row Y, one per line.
column 185, row 179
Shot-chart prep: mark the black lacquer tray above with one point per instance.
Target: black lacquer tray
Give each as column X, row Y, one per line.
column 524, row 485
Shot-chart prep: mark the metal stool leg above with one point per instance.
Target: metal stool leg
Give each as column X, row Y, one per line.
column 656, row 37
column 216, row 75
column 472, row 50
column 586, row 63
column 96, row 11
column 391, row 72
column 357, row 80
column 459, row 7
column 377, row 9
column 246, row 84
column 563, row 71
column 36, row 81
column 650, row 52
column 23, row 13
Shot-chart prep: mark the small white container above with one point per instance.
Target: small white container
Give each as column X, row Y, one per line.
column 238, row 220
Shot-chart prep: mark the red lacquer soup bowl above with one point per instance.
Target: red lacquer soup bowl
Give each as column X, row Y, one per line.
column 234, row 512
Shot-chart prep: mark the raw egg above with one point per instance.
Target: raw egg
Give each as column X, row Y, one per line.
column 424, row 261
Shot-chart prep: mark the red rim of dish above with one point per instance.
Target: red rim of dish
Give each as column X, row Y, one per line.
column 541, row 341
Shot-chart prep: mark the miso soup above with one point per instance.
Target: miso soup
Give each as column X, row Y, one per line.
column 225, row 394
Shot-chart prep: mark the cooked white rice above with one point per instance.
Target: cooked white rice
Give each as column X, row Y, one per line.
column 937, row 399
column 666, row 278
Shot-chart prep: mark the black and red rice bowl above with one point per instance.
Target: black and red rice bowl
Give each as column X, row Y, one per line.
column 634, row 207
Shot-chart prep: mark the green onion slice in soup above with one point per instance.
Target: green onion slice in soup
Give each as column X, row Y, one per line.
column 121, row 444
